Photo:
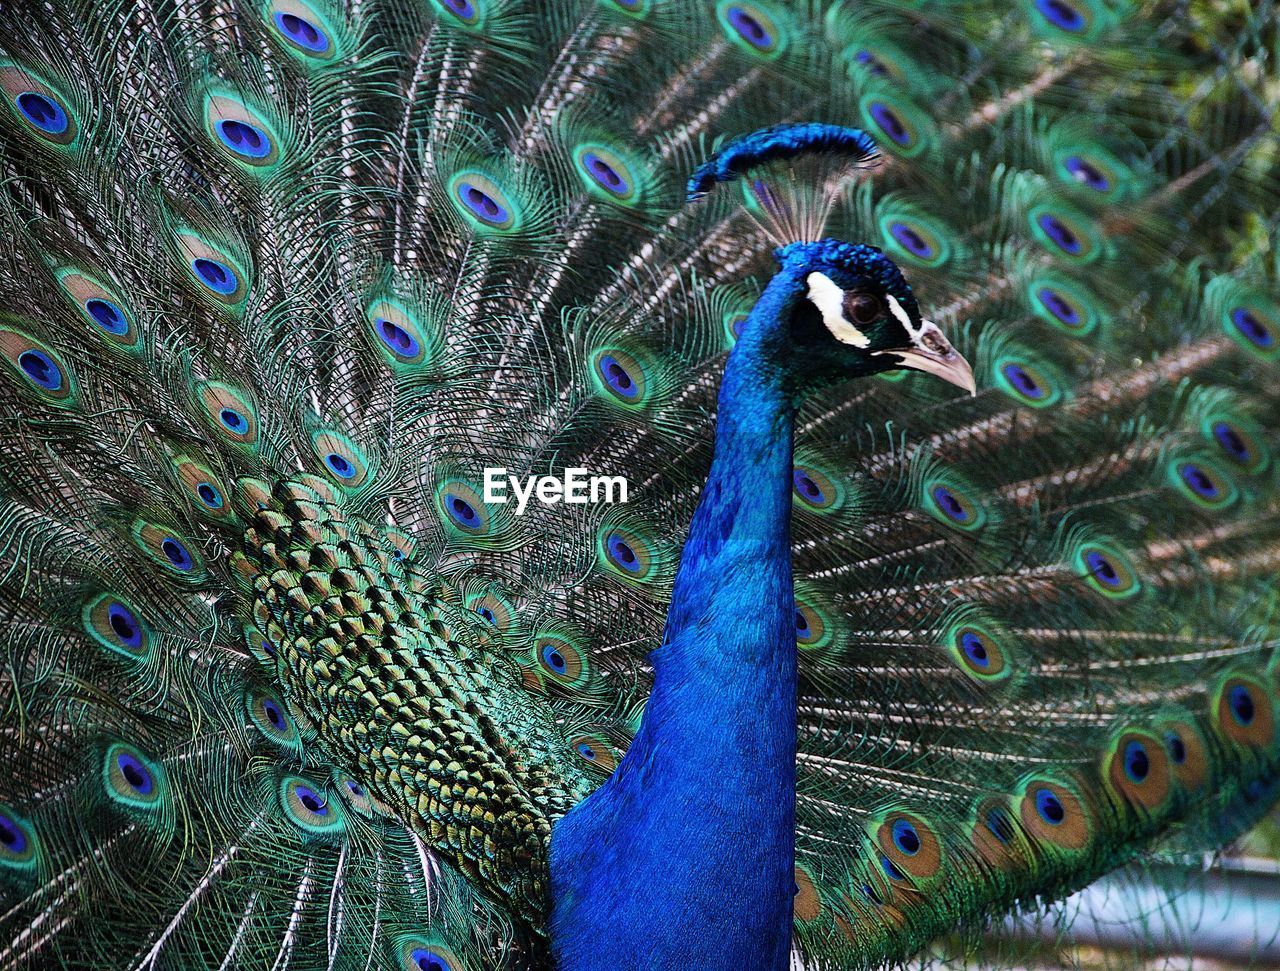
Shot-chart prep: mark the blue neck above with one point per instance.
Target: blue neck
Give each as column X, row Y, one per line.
column 685, row 857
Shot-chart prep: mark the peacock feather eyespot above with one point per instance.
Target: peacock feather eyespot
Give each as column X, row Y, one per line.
column 40, row 368
column 813, row 630
column 999, row 825
column 42, row 110
column 596, row 752
column 1238, row 440
column 1074, row 21
column 204, row 488
column 814, row 489
column 1063, row 303
column 308, row 808
column 241, row 131
column 606, row 174
column 101, row 306
column 952, row 503
column 19, row 844
column 1137, row 770
column 980, row 651
column 1053, row 813
column 995, row 833
column 733, row 324
column 166, row 549
column 341, row 457
column 463, row 508
column 270, row 716
column 902, row 127
column 1202, row 482
column 215, row 273
column 1027, row 383
column 302, row 30
column 1065, row 232
column 561, row 660
column 483, row 203
column 910, row 845
column 1254, row 329
column 1106, row 570
column 465, row 13
column 915, row 240
column 494, row 610
column 115, row 625
column 1243, row 711
column 1188, row 755
column 132, row 779
column 620, row 375
column 417, row 954
column 752, row 27
column 355, row 794
column 627, row 554
column 229, row 411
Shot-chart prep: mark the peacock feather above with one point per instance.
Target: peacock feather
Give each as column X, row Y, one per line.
column 863, row 661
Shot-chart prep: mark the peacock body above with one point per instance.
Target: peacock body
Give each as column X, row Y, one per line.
column 862, row 661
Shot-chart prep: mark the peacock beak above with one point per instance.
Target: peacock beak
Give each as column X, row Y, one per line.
column 933, row 353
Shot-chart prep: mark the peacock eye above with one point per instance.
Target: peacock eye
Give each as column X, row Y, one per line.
column 861, row 307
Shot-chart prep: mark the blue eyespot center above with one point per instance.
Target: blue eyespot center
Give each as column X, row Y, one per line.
column 302, row 32
column 1049, row 807
column 11, row 835
column 1000, row 826
column 135, row 774
column 1102, row 569
column 176, row 553
column 233, row 420
column 1062, row 14
column 1177, row 748
column 487, row 614
column 1253, row 329
column 806, row 488
column 274, row 715
column 210, row 496
column 1232, row 442
column 1022, row 381
column 616, row 376
column 905, row 837
column 605, row 174
column 554, row 659
column 463, row 9
column 873, row 63
column 340, row 466
column 1199, row 481
column 311, row 800
column 43, row 112
column 218, row 277
column 1060, row 234
column 355, row 788
column 891, row 871
column 1137, row 764
column 107, row 316
column 1240, row 700
column 803, row 630
column 243, row 138
column 587, row 752
column 461, row 511
column 124, row 624
column 399, row 340
column 622, row 554
column 749, row 28
column 1059, row 306
column 426, row 960
column 484, row 206
column 975, row 649
column 890, row 123
column 1086, row 173
column 40, row 369
column 950, row 504
column 912, row 241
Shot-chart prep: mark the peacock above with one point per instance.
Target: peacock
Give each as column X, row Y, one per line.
column 935, row 344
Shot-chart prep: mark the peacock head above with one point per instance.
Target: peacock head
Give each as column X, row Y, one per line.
column 856, row 316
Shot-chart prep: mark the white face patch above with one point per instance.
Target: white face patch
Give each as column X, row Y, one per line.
column 902, row 317
column 829, row 299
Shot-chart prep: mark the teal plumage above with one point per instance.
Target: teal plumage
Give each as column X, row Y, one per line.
column 283, row 279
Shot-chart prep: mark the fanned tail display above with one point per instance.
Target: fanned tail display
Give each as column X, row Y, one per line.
column 286, row 282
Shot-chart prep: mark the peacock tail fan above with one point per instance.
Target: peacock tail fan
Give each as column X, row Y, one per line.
column 283, row 281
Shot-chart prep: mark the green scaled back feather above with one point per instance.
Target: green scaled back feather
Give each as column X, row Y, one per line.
column 284, row 278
